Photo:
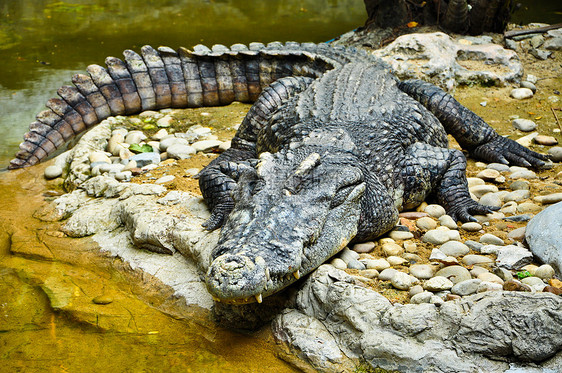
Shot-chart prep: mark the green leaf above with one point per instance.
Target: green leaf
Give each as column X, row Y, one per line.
column 136, row 148
column 521, row 275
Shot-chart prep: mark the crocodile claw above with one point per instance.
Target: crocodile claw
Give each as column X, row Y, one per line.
column 464, row 211
column 507, row 151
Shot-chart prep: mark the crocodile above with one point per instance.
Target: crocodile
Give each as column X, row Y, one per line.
column 332, row 149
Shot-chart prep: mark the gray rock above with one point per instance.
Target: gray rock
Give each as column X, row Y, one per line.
column 517, row 195
column 436, row 236
column 447, row 221
column 523, row 174
column 378, row 264
column 435, row 210
column 544, row 234
column 348, row 255
column 521, row 93
column 549, row 198
column 455, row 273
column 500, row 167
column 517, row 234
column 206, row 146
column 534, row 282
column 528, row 207
column 545, row 272
column 180, row 151
column 473, row 245
column 519, row 185
column 169, row 141
column 402, row 281
column 471, row 226
column 422, row 271
column 491, row 199
column 423, row 297
column 556, row 153
column 338, row 263
column 426, row 223
column 490, row 239
column 480, row 190
column 355, row 264
column 364, row 247
column 144, row 159
column 531, row 86
column 52, row 172
column 540, row 54
column 489, row 286
column 472, row 259
column 165, row 179
column 437, row 254
column 513, row 257
column 519, row 218
column 466, row 287
column 525, row 125
column 454, row 248
column 438, row 283
column 554, row 44
column 387, row 274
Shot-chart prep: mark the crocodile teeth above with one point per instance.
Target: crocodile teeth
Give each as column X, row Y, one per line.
column 259, row 298
column 267, row 274
column 297, row 274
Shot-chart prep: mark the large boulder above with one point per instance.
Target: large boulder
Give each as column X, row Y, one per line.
column 544, row 236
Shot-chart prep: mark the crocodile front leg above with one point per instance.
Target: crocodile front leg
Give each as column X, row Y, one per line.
column 471, row 132
column 428, row 168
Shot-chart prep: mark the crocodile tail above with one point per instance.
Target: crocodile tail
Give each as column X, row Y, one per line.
column 165, row 78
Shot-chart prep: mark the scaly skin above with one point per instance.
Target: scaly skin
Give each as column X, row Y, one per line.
column 333, row 148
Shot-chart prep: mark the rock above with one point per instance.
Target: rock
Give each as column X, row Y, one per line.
column 114, row 143
column 517, row 195
column 165, row 121
column 356, row 264
column 437, row 254
column 435, row 210
column 412, row 258
column 454, row 248
column 490, row 239
column 545, row 140
column 473, row 181
column 102, row 299
column 438, row 283
column 52, row 172
column 348, row 255
column 447, row 221
column 400, row 235
column 472, row 259
column 135, row 137
column 503, row 273
column 423, row 297
column 416, row 289
column 392, row 249
column 370, row 273
column 426, row 223
column 523, row 174
column 180, row 151
column 410, row 246
column 549, row 198
column 515, row 285
column 517, row 234
column 338, row 263
column 144, row 159
column 413, row 215
column 488, row 174
column 551, row 289
column 540, row 54
column 364, row 247
column 436, row 237
column 466, row 287
column 519, row 185
column 165, row 179
column 473, row 245
column 513, row 257
column 480, row 190
column 387, row 274
column 471, row 226
column 206, row 146
column 521, row 93
column 402, row 281
column 490, row 277
column 490, row 199
column 454, row 273
column 422, row 271
column 531, row 86
column 519, row 218
column 169, row 141
column 489, row 286
column 527, row 207
column 534, row 282
column 161, row 134
column 545, row 272
column 378, row 264
column 477, row 271
column 556, row 153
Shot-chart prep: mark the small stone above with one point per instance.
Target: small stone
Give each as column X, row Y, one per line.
column 400, row 235
column 552, row 289
column 513, row 257
column 488, row 174
column 160, row 134
column 124, row 175
column 490, row 239
column 378, row 264
column 206, row 146
column 477, row 271
column 556, row 153
column 549, row 198
column 435, row 210
column 416, row 289
column 525, row 125
column 447, row 221
column 364, row 247
column 402, row 281
column 455, row 273
column 471, row 226
column 540, row 54
column 534, row 282
column 338, row 263
column 473, row 181
column 438, row 283
column 169, row 141
column 472, row 259
column 102, row 299
column 519, row 218
column 473, row 245
column 356, row 264
column 135, row 137
column 387, row 274
column 509, row 208
column 426, row 223
column 480, row 190
column 348, row 255
column 528, row 207
column 412, row 258
column 437, row 254
column 96, row 157
column 132, row 164
column 392, row 249
column 503, row 273
column 489, row 286
column 410, row 246
column 370, row 273
column 491, row 199
column 224, row 146
column 413, row 215
column 423, row 271
column 454, row 248
column 545, row 272
column 523, row 174
column 144, row 159
column 437, row 301
column 517, row 195
column 490, row 277
column 515, row 285
column 466, row 287
column 545, row 140
column 436, row 237
column 519, row 185
column 531, row 86
column 114, row 143
column 500, row 167
column 165, row 179
column 125, row 153
column 180, row 151
column 423, row 297
column 521, row 93
column 396, row 260
column 517, row 234
column 149, row 114
column 165, row 121
column 531, row 268
column 52, row 172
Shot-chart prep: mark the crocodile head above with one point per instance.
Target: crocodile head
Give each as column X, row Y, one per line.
column 292, row 212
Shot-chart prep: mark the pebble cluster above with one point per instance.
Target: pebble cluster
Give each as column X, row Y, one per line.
column 132, row 152
column 459, row 267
